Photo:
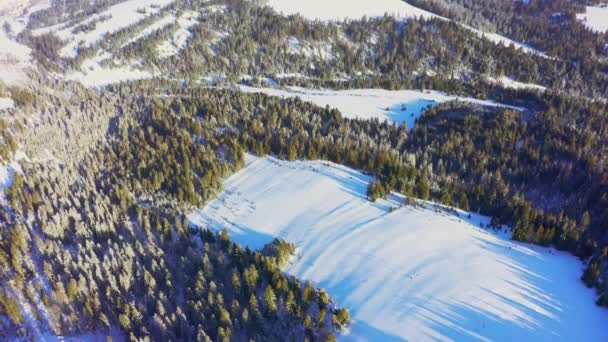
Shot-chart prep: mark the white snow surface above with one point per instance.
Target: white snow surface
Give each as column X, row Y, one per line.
column 180, row 37
column 355, row 9
column 413, row 274
column 595, row 18
column 93, row 73
column 348, row 9
column 15, row 57
column 6, row 103
column 511, row 83
column 400, row 106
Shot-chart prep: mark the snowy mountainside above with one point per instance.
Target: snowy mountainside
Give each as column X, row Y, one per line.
column 343, row 9
column 414, row 273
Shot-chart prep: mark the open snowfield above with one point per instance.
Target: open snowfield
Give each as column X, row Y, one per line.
column 412, row 274
column 356, row 9
column 595, row 18
column 94, row 74
column 400, row 106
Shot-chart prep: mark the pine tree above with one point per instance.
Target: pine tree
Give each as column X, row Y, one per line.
column 423, row 188
column 270, row 299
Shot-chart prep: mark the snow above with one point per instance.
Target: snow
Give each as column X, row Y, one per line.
column 595, row 18
column 509, row 82
column 498, row 39
column 355, row 9
column 101, row 76
column 413, row 274
column 123, row 15
column 6, row 176
column 400, row 106
column 348, row 9
column 15, row 57
column 180, row 37
column 155, row 26
column 322, row 51
column 6, row 103
column 112, row 334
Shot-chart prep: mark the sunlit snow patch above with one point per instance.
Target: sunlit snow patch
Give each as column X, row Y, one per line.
column 6, row 103
column 509, row 82
column 412, row 273
column 595, row 18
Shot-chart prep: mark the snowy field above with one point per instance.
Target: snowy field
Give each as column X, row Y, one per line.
column 400, row 106
column 356, row 9
column 595, row 18
column 412, row 274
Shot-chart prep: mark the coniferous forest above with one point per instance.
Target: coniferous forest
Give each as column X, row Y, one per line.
column 94, row 233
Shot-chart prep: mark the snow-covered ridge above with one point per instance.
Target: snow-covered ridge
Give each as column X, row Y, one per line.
column 413, row 273
column 356, row 9
column 400, row 106
column 595, row 18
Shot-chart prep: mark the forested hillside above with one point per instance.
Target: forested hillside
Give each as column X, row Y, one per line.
column 126, row 116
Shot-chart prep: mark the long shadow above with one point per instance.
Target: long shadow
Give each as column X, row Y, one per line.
column 361, row 331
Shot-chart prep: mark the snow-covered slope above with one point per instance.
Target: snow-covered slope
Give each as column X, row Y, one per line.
column 356, row 9
column 15, row 58
column 509, row 82
column 595, row 18
column 94, row 74
column 179, row 39
column 394, row 105
column 116, row 17
column 413, row 273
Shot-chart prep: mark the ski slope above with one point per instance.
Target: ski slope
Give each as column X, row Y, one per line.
column 399, row 106
column 411, row 274
column 595, row 18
